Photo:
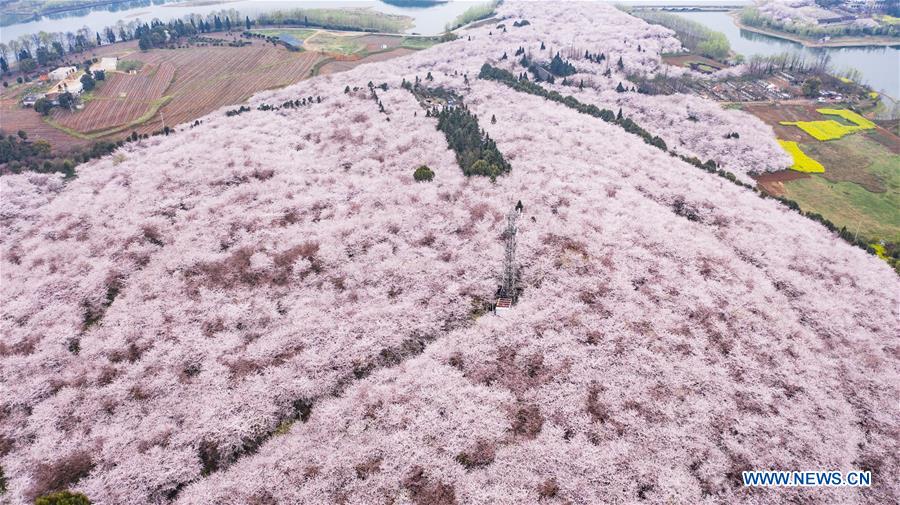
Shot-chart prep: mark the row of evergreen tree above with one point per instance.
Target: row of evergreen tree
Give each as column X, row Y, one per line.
column 18, row 154
column 158, row 34
column 476, row 152
column 35, row 51
column 519, row 84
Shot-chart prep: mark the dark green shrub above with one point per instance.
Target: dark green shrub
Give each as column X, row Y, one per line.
column 63, row 498
column 423, row 173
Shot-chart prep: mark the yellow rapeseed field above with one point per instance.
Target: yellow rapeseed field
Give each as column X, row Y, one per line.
column 802, row 162
column 830, row 129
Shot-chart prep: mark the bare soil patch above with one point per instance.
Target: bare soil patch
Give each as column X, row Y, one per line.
column 333, row 67
column 886, row 135
column 773, row 182
column 375, row 42
column 772, row 115
column 684, row 60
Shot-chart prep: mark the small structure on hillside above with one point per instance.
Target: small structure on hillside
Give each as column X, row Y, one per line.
column 61, row 73
column 108, row 64
column 73, row 86
column 509, row 288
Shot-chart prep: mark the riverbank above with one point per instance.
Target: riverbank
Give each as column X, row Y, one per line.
column 31, row 13
column 687, row 8
column 833, row 42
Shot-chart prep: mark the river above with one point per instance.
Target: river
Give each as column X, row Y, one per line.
column 879, row 66
column 427, row 20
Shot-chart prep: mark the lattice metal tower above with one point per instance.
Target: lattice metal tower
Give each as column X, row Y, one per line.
column 509, row 288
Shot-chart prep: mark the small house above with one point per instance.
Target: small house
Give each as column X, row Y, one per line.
column 106, row 64
column 503, row 306
column 61, row 73
column 73, row 86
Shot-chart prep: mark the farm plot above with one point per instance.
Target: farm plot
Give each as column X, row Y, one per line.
column 693, row 61
column 849, row 115
column 860, row 186
column 121, row 101
column 333, row 67
column 13, row 118
column 293, row 36
column 830, row 129
column 823, row 130
column 211, row 77
column 334, row 43
column 381, row 42
column 777, row 115
column 773, row 182
column 802, row 162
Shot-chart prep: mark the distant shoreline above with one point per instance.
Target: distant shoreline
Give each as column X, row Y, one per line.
column 48, row 11
column 834, row 42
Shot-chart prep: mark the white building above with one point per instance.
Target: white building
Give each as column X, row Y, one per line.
column 503, row 306
column 61, row 73
column 73, row 86
column 105, row 64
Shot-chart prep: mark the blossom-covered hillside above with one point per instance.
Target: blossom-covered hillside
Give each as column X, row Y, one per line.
column 268, row 308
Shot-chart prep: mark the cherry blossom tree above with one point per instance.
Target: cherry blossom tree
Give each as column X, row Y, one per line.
column 268, row 308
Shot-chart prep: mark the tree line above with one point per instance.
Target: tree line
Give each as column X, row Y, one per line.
column 43, row 48
column 693, row 35
column 476, row 152
column 753, row 16
column 524, row 85
column 507, row 78
column 19, row 154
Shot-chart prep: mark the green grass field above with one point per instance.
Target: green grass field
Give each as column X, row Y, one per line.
column 316, row 40
column 297, row 33
column 847, row 203
column 334, row 44
column 418, row 42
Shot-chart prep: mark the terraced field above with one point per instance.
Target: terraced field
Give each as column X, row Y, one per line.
column 16, row 118
column 208, row 78
column 120, row 101
column 178, row 86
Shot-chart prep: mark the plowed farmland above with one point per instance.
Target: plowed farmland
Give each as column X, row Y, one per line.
column 122, row 100
column 343, row 65
column 176, row 86
column 13, row 118
column 210, row 77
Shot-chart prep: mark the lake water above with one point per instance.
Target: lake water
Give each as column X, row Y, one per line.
column 879, row 66
column 427, row 20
